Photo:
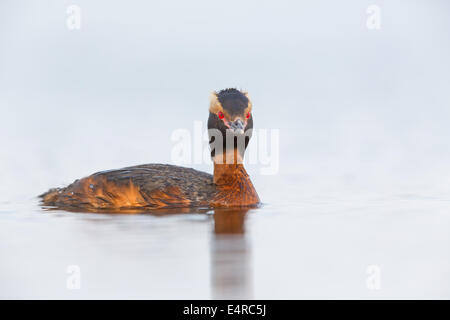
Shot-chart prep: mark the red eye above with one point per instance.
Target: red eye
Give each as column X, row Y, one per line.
column 220, row 115
column 248, row 114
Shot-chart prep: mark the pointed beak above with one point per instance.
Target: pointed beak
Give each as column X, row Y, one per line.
column 237, row 126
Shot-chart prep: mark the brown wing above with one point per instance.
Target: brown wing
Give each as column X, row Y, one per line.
column 150, row 186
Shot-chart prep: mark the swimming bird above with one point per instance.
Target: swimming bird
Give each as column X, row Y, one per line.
column 163, row 186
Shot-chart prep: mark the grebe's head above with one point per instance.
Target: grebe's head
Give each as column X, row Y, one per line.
column 230, row 116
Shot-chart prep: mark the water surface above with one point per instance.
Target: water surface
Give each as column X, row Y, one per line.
column 316, row 248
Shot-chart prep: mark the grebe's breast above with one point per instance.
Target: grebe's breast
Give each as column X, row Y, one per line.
column 150, row 186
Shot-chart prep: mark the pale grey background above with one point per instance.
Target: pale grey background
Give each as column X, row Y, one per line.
column 364, row 156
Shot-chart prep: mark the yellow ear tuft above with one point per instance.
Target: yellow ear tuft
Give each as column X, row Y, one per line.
column 213, row 98
column 250, row 105
column 214, row 103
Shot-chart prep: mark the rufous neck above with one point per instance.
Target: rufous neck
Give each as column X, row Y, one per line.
column 234, row 187
column 224, row 172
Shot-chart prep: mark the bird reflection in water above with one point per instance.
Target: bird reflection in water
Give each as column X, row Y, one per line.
column 231, row 270
column 230, row 256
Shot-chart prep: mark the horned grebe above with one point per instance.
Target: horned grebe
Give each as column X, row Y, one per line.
column 156, row 186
